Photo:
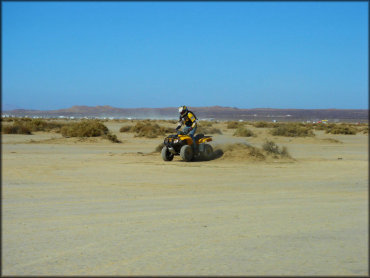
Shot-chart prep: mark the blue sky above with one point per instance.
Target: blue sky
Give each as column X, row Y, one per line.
column 163, row 54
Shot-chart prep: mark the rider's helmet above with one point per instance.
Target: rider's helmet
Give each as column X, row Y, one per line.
column 183, row 110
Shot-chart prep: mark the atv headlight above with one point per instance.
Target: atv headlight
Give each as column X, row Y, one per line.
column 176, row 140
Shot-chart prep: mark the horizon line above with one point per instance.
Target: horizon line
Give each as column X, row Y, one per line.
column 170, row 107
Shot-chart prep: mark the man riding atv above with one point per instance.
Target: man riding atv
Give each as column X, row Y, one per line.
column 190, row 120
column 185, row 144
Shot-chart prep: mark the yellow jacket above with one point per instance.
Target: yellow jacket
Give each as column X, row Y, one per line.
column 189, row 120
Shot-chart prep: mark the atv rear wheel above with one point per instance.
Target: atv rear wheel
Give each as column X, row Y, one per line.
column 186, row 152
column 166, row 154
column 207, row 153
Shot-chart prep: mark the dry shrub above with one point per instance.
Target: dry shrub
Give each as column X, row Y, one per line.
column 208, row 130
column 85, row 128
column 150, row 130
column 23, row 119
column 364, row 130
column 243, row 132
column 125, row 128
column 245, row 152
column 341, row 129
column 206, row 123
column 262, row 124
column 320, row 126
column 171, row 121
column 112, row 137
column 292, row 130
column 233, row 124
column 16, row 128
column 240, row 151
column 8, row 119
column 42, row 125
column 271, row 148
column 88, row 128
column 36, row 124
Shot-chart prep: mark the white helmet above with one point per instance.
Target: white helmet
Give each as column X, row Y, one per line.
column 183, row 110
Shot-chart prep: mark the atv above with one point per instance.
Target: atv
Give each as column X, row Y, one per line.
column 182, row 144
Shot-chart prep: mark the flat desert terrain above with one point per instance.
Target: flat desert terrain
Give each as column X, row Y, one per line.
column 93, row 207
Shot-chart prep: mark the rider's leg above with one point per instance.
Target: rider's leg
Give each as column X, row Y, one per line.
column 191, row 133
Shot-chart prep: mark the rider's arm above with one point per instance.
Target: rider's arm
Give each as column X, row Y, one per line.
column 179, row 124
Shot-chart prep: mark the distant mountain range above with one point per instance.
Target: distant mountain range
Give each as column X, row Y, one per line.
column 212, row 112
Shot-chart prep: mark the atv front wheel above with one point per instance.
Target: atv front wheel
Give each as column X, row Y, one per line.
column 186, row 152
column 208, row 151
column 166, row 154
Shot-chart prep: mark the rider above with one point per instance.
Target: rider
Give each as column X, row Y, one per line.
column 190, row 120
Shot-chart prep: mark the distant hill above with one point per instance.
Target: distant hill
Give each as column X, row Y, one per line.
column 212, row 112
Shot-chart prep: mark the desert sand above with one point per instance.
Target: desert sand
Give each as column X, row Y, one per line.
column 93, row 207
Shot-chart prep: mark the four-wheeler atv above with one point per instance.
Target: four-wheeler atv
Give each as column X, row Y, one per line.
column 181, row 144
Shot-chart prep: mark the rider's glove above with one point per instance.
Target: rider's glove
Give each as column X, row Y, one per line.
column 177, row 128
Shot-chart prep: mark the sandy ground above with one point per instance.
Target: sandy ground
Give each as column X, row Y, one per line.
column 93, row 207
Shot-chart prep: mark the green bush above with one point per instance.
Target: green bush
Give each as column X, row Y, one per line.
column 292, row 130
column 243, row 132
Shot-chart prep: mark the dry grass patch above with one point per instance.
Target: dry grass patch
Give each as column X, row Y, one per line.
column 245, row 152
column 263, row 124
column 208, row 130
column 341, row 129
column 88, row 128
column 364, row 130
column 126, row 128
column 292, row 130
column 233, row 124
column 147, row 129
column 271, row 148
column 150, row 130
column 243, row 132
column 26, row 126
column 206, row 123
column 240, row 151
column 16, row 128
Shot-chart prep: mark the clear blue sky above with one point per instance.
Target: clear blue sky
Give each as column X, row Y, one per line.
column 161, row 54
